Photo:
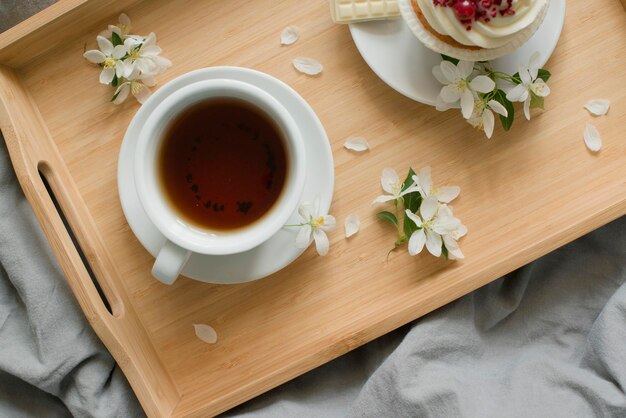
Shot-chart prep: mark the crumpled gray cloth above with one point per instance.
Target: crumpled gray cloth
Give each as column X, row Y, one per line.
column 51, row 362
column 13, row 12
column 548, row 340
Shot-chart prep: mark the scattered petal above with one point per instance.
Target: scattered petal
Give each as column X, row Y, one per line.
column 206, row 333
column 592, row 138
column 308, row 66
column 357, row 144
column 598, row 107
column 352, row 225
column 290, row 35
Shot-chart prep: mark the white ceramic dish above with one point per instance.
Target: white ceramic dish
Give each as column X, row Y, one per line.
column 400, row 60
column 277, row 252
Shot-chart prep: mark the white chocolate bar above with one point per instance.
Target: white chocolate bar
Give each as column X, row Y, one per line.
column 350, row 11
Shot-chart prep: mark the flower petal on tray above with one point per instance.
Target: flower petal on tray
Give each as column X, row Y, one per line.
column 357, row 144
column 352, row 225
column 598, row 107
column 290, row 35
column 592, row 138
column 308, row 66
column 206, row 333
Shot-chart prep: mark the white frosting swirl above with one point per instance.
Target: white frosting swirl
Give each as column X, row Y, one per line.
column 497, row 32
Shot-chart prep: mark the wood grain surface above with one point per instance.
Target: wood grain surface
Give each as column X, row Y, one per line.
column 524, row 193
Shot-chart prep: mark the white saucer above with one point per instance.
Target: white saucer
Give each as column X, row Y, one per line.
column 400, row 60
column 278, row 251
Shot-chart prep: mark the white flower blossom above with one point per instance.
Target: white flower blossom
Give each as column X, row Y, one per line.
column 531, row 85
column 458, row 86
column 450, row 239
column 436, row 227
column 314, row 227
column 444, row 194
column 144, row 55
column 129, row 62
column 483, row 118
column 110, row 58
column 122, row 29
column 136, row 84
column 391, row 184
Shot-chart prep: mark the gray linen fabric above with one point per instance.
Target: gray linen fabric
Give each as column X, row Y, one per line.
column 51, row 362
column 13, row 12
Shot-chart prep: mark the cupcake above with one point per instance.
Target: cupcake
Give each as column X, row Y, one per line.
column 474, row 30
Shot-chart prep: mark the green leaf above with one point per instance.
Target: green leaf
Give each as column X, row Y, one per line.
column 116, row 40
column 115, row 81
column 452, row 60
column 536, row 101
column 388, row 217
column 544, row 74
column 408, row 181
column 115, row 96
column 412, row 202
column 507, row 121
column 444, row 251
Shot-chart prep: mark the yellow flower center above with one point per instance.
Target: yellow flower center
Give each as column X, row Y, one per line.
column 461, row 85
column 319, row 221
column 539, row 89
column 135, row 87
column 134, row 54
column 109, row 62
column 396, row 189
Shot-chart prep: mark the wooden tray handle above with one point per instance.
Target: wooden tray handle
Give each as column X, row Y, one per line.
column 77, row 244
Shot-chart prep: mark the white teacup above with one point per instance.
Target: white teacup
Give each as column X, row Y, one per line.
column 183, row 238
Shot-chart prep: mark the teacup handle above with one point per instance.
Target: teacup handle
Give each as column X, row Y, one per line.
column 170, row 262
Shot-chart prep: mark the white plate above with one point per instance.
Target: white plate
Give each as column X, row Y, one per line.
column 400, row 60
column 279, row 251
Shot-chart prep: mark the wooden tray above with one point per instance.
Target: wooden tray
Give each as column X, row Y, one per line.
column 524, row 193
